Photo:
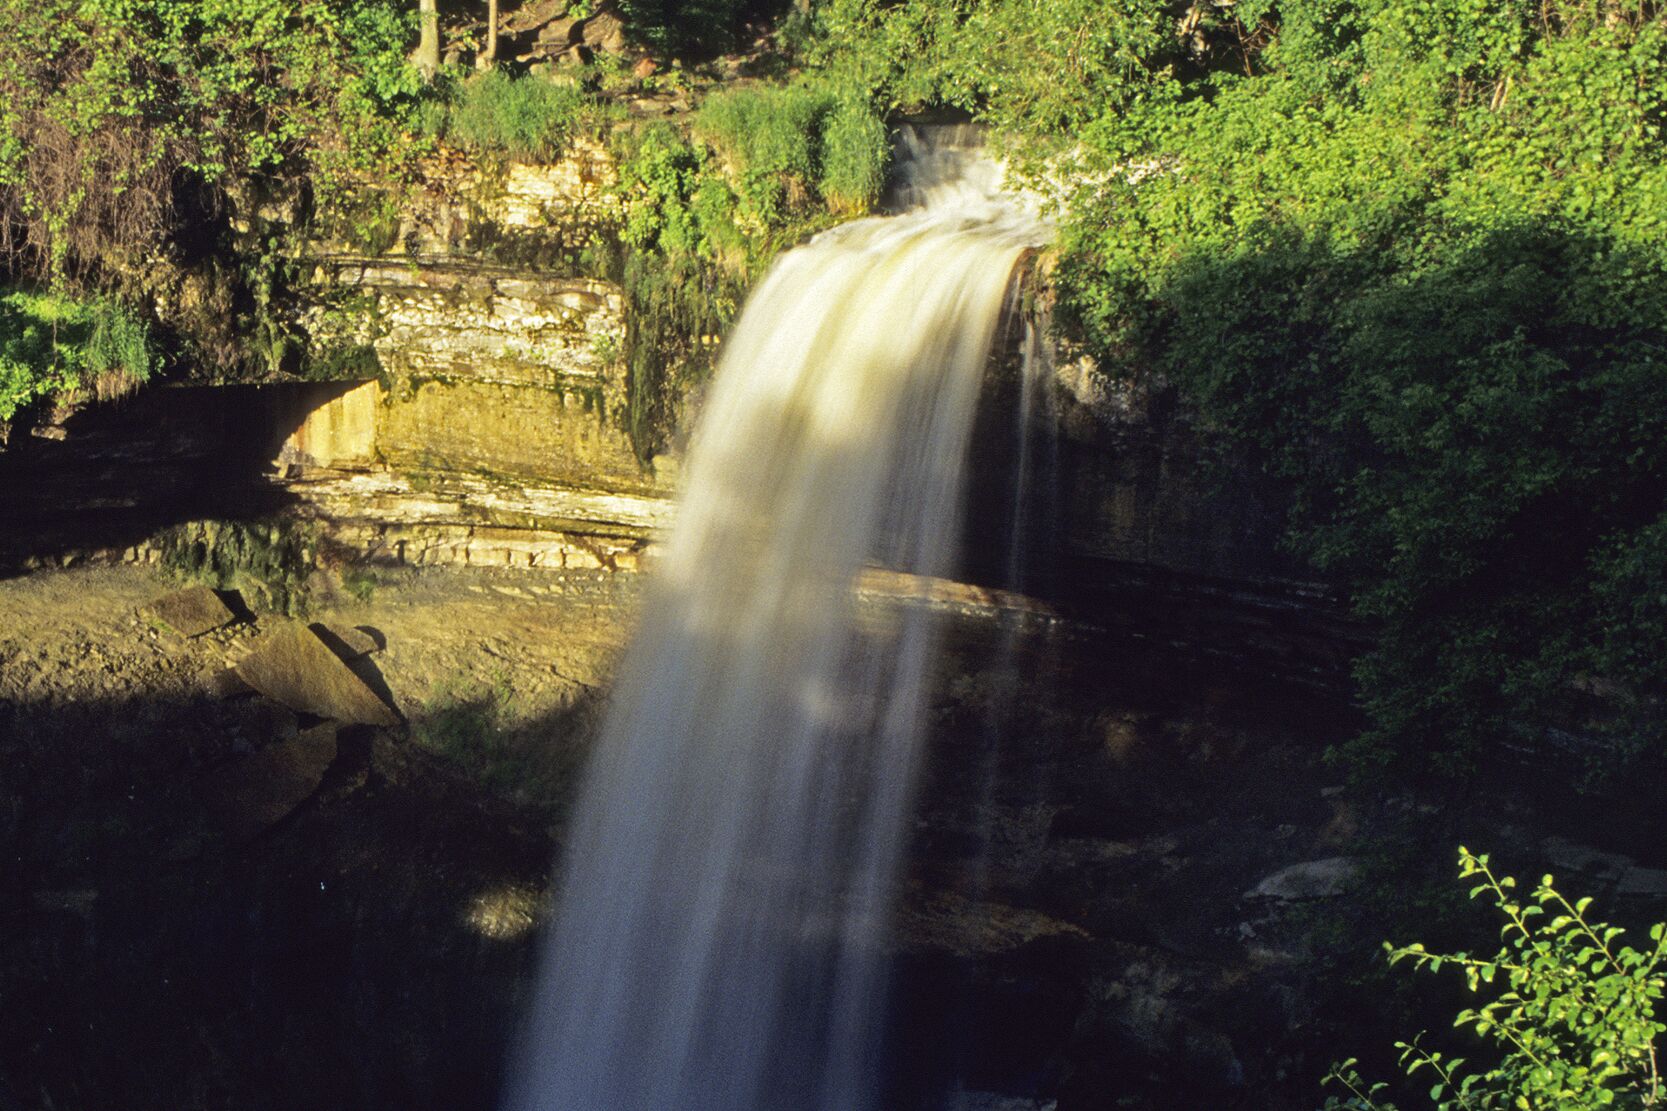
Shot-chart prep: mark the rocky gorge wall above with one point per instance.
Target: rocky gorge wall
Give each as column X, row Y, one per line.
column 1115, row 879
column 495, row 434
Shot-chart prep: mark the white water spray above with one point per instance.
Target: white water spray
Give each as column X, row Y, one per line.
column 717, row 944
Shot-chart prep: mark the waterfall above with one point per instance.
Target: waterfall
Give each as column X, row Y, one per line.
column 717, row 944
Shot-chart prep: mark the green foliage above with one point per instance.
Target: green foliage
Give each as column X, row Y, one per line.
column 705, row 212
column 267, row 562
column 469, row 722
column 51, row 345
column 1420, row 279
column 486, row 729
column 108, row 106
column 1036, row 68
column 1573, row 1021
column 695, row 27
column 523, row 117
column 1410, row 262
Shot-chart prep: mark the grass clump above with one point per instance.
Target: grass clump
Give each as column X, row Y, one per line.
column 518, row 116
column 491, row 734
column 788, row 146
column 856, row 149
column 469, row 722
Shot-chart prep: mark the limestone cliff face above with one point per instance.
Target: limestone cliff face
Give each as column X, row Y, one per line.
column 497, row 359
column 493, row 371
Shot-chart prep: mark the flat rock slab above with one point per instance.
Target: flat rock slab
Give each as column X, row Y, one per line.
column 192, row 612
column 348, row 643
column 259, row 791
column 292, row 665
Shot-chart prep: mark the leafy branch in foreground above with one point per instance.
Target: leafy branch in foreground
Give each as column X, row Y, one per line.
column 1576, row 1022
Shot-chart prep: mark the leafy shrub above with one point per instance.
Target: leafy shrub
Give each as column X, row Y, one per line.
column 1383, row 274
column 1040, row 69
column 108, row 107
column 1574, row 1025
column 51, row 345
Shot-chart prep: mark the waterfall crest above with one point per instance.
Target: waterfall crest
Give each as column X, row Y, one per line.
column 717, row 942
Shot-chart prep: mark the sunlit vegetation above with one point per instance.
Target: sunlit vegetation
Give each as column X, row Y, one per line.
column 498, row 113
column 56, row 345
column 1408, row 261
column 108, row 107
column 1565, row 1014
column 131, row 132
column 707, row 207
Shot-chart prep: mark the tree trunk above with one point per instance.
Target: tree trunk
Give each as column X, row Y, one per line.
column 427, row 56
column 490, row 54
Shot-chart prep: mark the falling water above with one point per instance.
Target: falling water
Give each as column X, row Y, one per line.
column 717, row 945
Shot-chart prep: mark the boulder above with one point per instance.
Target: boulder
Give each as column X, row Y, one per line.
column 531, row 16
column 258, row 791
column 605, row 31
column 1312, row 879
column 1622, row 874
column 557, row 32
column 293, row 666
column 223, row 682
column 192, row 612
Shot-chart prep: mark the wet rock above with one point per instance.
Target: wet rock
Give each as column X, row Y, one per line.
column 966, row 927
column 1312, row 879
column 295, row 667
column 257, row 792
column 192, row 612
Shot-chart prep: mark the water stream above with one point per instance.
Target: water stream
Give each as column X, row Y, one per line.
column 718, row 943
